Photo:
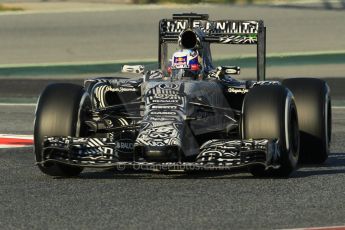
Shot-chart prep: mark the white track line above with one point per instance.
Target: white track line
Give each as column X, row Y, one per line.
column 14, row 146
column 19, row 136
column 17, row 104
column 319, row 228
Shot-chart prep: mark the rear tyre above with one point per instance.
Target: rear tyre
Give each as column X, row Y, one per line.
column 60, row 112
column 314, row 111
column 270, row 112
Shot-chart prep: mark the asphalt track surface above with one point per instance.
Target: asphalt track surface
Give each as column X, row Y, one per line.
column 108, row 199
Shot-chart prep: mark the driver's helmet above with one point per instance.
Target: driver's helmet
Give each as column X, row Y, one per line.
column 185, row 64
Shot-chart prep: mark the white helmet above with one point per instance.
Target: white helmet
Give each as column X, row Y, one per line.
column 185, row 63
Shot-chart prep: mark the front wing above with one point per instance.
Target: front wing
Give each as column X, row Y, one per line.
column 214, row 154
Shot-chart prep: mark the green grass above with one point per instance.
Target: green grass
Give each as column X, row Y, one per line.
column 9, row 8
column 113, row 67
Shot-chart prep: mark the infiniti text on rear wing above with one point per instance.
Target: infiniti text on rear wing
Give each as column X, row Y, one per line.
column 223, row 31
column 238, row 32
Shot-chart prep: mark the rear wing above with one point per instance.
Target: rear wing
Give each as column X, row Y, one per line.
column 237, row 32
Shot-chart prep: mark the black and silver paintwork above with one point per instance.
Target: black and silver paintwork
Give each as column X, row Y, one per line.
column 162, row 122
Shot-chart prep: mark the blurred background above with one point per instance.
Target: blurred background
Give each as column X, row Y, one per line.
column 71, row 40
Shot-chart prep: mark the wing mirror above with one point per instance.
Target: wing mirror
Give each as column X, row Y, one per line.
column 225, row 70
column 140, row 69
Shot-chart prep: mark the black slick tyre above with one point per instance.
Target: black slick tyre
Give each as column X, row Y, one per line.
column 313, row 101
column 269, row 112
column 59, row 112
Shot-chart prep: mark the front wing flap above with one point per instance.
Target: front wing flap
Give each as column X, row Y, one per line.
column 80, row 151
column 239, row 152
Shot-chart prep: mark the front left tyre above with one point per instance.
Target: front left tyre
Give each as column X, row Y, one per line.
column 269, row 112
column 60, row 111
column 314, row 109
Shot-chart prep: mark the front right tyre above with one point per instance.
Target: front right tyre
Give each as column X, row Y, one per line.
column 60, row 111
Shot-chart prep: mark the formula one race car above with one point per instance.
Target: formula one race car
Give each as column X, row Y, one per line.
column 187, row 114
